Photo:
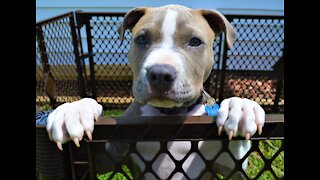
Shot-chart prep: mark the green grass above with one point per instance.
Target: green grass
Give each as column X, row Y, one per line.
column 113, row 112
column 256, row 163
column 117, row 176
column 45, row 107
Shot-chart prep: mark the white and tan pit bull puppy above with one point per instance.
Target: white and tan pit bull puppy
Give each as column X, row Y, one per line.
column 171, row 56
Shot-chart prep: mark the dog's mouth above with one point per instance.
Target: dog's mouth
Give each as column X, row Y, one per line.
column 172, row 99
column 171, row 107
column 164, row 103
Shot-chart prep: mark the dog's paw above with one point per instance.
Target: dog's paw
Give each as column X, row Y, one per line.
column 240, row 116
column 69, row 121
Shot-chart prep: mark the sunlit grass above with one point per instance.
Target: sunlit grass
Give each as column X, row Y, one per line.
column 117, row 176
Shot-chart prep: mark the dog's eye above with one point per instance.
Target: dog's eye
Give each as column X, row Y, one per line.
column 195, row 42
column 142, row 40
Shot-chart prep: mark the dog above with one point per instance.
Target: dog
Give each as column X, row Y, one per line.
column 171, row 56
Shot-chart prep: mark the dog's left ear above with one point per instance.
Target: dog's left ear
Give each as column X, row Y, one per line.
column 219, row 23
column 130, row 20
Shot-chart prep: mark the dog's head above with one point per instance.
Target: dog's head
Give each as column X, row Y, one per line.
column 171, row 53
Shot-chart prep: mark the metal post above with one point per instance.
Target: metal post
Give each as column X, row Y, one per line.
column 218, row 66
column 79, row 26
column 223, row 69
column 77, row 57
column 85, row 19
column 279, row 73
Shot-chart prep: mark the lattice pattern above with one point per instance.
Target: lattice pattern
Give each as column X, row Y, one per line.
column 212, row 83
column 113, row 146
column 250, row 65
column 258, row 163
column 42, row 98
column 112, row 73
column 249, row 85
column 259, row 43
column 58, row 43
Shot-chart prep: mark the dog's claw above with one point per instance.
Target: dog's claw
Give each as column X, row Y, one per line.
column 95, row 116
column 220, row 129
column 248, row 136
column 230, row 135
column 259, row 129
column 76, row 141
column 89, row 134
column 59, row 145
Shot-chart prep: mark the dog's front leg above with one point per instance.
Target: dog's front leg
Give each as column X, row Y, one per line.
column 70, row 121
column 240, row 116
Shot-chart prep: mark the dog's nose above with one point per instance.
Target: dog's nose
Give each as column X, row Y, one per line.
column 161, row 77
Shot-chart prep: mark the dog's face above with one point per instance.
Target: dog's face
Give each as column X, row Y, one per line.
column 171, row 53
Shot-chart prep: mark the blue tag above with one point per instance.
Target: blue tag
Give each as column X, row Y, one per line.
column 212, row 110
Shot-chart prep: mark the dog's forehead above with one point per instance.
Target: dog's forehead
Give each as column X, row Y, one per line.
column 170, row 17
column 177, row 8
column 159, row 13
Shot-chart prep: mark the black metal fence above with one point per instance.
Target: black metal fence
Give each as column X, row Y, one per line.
column 91, row 160
column 80, row 55
column 58, row 66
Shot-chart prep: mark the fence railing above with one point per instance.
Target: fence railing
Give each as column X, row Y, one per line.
column 84, row 162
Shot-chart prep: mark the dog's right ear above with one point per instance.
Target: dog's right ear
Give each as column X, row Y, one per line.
column 130, row 20
column 219, row 23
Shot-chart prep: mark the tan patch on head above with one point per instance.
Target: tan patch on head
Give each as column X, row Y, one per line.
column 151, row 25
column 196, row 61
column 200, row 58
column 148, row 24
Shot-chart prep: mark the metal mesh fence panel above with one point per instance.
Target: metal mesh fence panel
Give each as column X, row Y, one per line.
column 110, row 75
column 264, row 160
column 41, row 97
column 250, row 66
column 58, row 59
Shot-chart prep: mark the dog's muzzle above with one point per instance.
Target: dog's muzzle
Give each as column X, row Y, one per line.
column 161, row 77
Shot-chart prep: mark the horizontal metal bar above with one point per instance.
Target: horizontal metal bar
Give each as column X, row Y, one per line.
column 84, row 56
column 137, row 120
column 80, row 162
column 53, row 19
column 249, row 16
column 228, row 16
column 247, row 72
column 100, row 13
column 168, row 128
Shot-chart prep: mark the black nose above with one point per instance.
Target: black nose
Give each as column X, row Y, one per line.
column 161, row 77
